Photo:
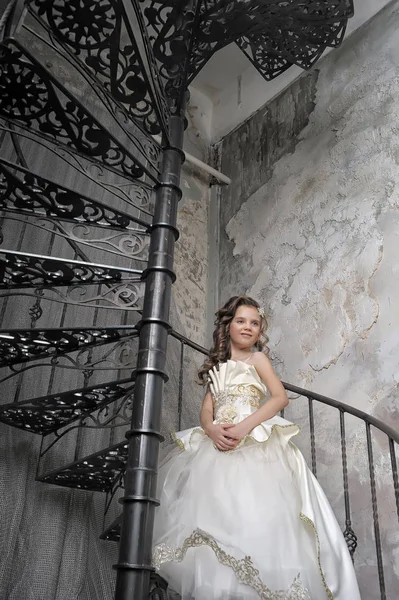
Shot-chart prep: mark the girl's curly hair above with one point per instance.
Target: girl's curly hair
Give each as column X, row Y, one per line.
column 221, row 351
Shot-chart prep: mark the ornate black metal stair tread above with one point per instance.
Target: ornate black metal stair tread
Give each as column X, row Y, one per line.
column 60, row 113
column 96, row 472
column 46, row 414
column 112, row 32
column 32, row 194
column 22, row 345
column 21, row 270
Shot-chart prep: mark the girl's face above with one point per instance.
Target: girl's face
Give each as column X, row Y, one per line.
column 245, row 327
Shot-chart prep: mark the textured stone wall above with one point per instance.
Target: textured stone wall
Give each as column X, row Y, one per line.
column 309, row 226
column 191, row 257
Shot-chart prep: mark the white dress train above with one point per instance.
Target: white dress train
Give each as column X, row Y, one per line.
column 249, row 523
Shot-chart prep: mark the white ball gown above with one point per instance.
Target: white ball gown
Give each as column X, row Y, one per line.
column 248, row 523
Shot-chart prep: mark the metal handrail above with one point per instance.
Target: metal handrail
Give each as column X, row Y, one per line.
column 389, row 431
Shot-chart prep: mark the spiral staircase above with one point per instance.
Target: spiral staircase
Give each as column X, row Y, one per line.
column 88, row 200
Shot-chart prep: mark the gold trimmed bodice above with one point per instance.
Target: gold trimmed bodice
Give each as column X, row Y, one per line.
column 237, row 391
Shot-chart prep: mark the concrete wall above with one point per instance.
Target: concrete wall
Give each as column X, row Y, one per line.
column 309, row 227
column 238, row 90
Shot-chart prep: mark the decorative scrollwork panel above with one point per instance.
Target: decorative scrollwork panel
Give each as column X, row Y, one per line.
column 19, row 270
column 31, row 194
column 132, row 197
column 35, row 100
column 274, row 34
column 172, row 28
column 96, row 472
column 128, row 244
column 110, row 39
column 49, row 413
column 122, row 297
column 17, row 346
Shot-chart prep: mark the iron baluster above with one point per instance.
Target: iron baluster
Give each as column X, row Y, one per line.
column 181, row 377
column 312, row 436
column 349, row 534
column 375, row 513
column 394, row 473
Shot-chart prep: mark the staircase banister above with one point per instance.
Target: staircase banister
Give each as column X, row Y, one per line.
column 360, row 414
column 182, row 338
column 389, row 431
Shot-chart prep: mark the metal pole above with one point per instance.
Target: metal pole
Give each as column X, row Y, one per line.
column 134, row 563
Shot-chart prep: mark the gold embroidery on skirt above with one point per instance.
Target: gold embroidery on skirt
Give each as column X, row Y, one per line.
column 244, row 569
column 313, row 526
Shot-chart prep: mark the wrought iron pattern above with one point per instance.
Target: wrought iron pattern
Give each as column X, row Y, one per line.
column 293, row 33
column 158, row 588
column 132, row 244
column 33, row 98
column 349, row 534
column 117, row 415
column 49, row 413
column 173, row 26
column 19, row 270
column 274, row 35
column 110, row 39
column 96, row 472
column 30, row 194
column 17, row 346
column 133, row 194
column 120, row 356
column 121, row 297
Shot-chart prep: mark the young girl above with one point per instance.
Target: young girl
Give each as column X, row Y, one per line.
column 241, row 515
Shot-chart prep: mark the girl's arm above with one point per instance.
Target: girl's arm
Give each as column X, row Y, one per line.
column 277, row 401
column 219, row 434
column 207, row 411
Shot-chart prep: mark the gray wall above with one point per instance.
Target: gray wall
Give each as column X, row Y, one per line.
column 309, row 226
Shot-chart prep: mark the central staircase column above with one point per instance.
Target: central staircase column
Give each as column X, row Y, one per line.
column 139, row 502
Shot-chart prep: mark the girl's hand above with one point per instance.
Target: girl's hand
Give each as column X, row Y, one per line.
column 239, row 431
column 221, row 437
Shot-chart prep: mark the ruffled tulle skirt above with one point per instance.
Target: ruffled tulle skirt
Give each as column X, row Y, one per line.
column 247, row 524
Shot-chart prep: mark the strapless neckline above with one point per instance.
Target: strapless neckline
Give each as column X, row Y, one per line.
column 230, row 360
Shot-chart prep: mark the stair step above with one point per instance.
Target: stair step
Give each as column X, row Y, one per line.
column 51, row 112
column 46, row 414
column 26, row 192
column 96, row 472
column 119, row 37
column 21, row 270
column 22, row 345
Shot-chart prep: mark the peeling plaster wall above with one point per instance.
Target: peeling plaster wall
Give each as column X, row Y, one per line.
column 310, row 227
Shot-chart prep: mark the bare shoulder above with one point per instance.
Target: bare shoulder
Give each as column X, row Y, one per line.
column 266, row 372
column 260, row 359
